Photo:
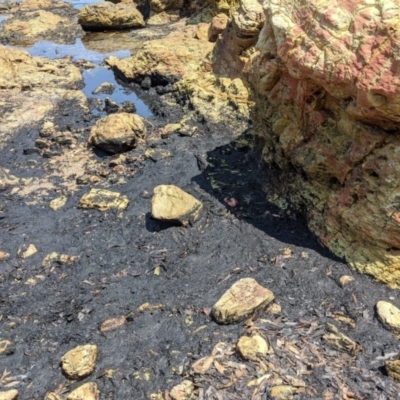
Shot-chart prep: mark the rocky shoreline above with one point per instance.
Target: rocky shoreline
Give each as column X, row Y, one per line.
column 146, row 257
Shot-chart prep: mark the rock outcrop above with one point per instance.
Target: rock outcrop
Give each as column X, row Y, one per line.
column 110, row 16
column 32, row 87
column 326, row 83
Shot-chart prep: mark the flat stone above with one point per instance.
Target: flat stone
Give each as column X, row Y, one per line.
column 183, row 391
column 112, row 323
column 393, row 369
column 9, row 395
column 110, row 16
column 58, row 203
column 117, row 133
column 25, row 252
column 88, row 391
column 244, row 297
column 6, row 347
column 170, row 203
column 104, row 200
column 282, row 392
column 389, row 316
column 80, row 361
column 251, row 348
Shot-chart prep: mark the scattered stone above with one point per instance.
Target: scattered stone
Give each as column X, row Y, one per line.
column 344, row 280
column 251, row 348
column 57, row 258
column 80, row 361
column 26, row 251
column 282, row 392
column 117, row 133
column 6, row 347
column 170, row 203
column 393, row 369
column 112, row 323
column 274, row 309
column 104, row 200
column 4, row 255
column 111, row 106
column 244, row 297
column 110, row 16
column 9, row 395
column 341, row 341
column 42, row 143
column 83, row 180
column 156, row 154
column 150, row 307
column 169, row 129
column 183, row 391
column 389, row 316
column 87, row 391
column 47, row 130
column 58, row 203
column 52, row 396
column 121, row 159
column 31, row 150
column 105, row 87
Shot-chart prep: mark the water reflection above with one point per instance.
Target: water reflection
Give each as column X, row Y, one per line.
column 94, row 77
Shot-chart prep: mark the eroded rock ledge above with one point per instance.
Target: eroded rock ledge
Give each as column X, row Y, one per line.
column 326, row 82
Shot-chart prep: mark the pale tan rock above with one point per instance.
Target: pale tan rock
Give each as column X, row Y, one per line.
column 202, row 31
column 251, row 348
column 52, row 396
column 112, row 323
column 4, row 255
column 393, row 369
column 274, row 309
column 6, row 347
column 39, row 25
column 218, row 24
column 282, row 392
column 183, row 391
column 163, row 18
column 9, row 395
column 104, row 200
column 58, row 203
column 244, row 297
column 118, row 132
column 344, row 280
column 80, row 361
column 170, row 203
column 110, row 16
column 87, row 391
column 389, row 316
column 58, row 258
column 25, row 252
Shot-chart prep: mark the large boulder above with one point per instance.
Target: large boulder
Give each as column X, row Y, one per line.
column 110, row 16
column 327, row 87
column 117, row 133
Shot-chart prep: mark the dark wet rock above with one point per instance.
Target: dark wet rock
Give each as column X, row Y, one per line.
column 111, row 106
column 128, row 107
column 110, row 16
column 165, row 89
column 106, row 87
column 146, row 83
column 118, row 132
column 32, row 150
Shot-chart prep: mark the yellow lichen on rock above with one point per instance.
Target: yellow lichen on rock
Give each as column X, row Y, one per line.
column 251, row 348
column 244, row 297
column 104, row 200
column 87, row 391
column 80, row 361
column 170, row 203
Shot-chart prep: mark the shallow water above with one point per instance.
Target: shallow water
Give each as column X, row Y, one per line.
column 82, row 3
column 94, row 77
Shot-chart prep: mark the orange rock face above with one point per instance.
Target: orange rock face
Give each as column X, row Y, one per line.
column 326, row 77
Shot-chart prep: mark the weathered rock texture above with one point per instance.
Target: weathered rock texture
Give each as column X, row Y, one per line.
column 38, row 20
column 80, row 361
column 31, row 87
column 110, row 16
column 326, row 82
column 118, row 132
